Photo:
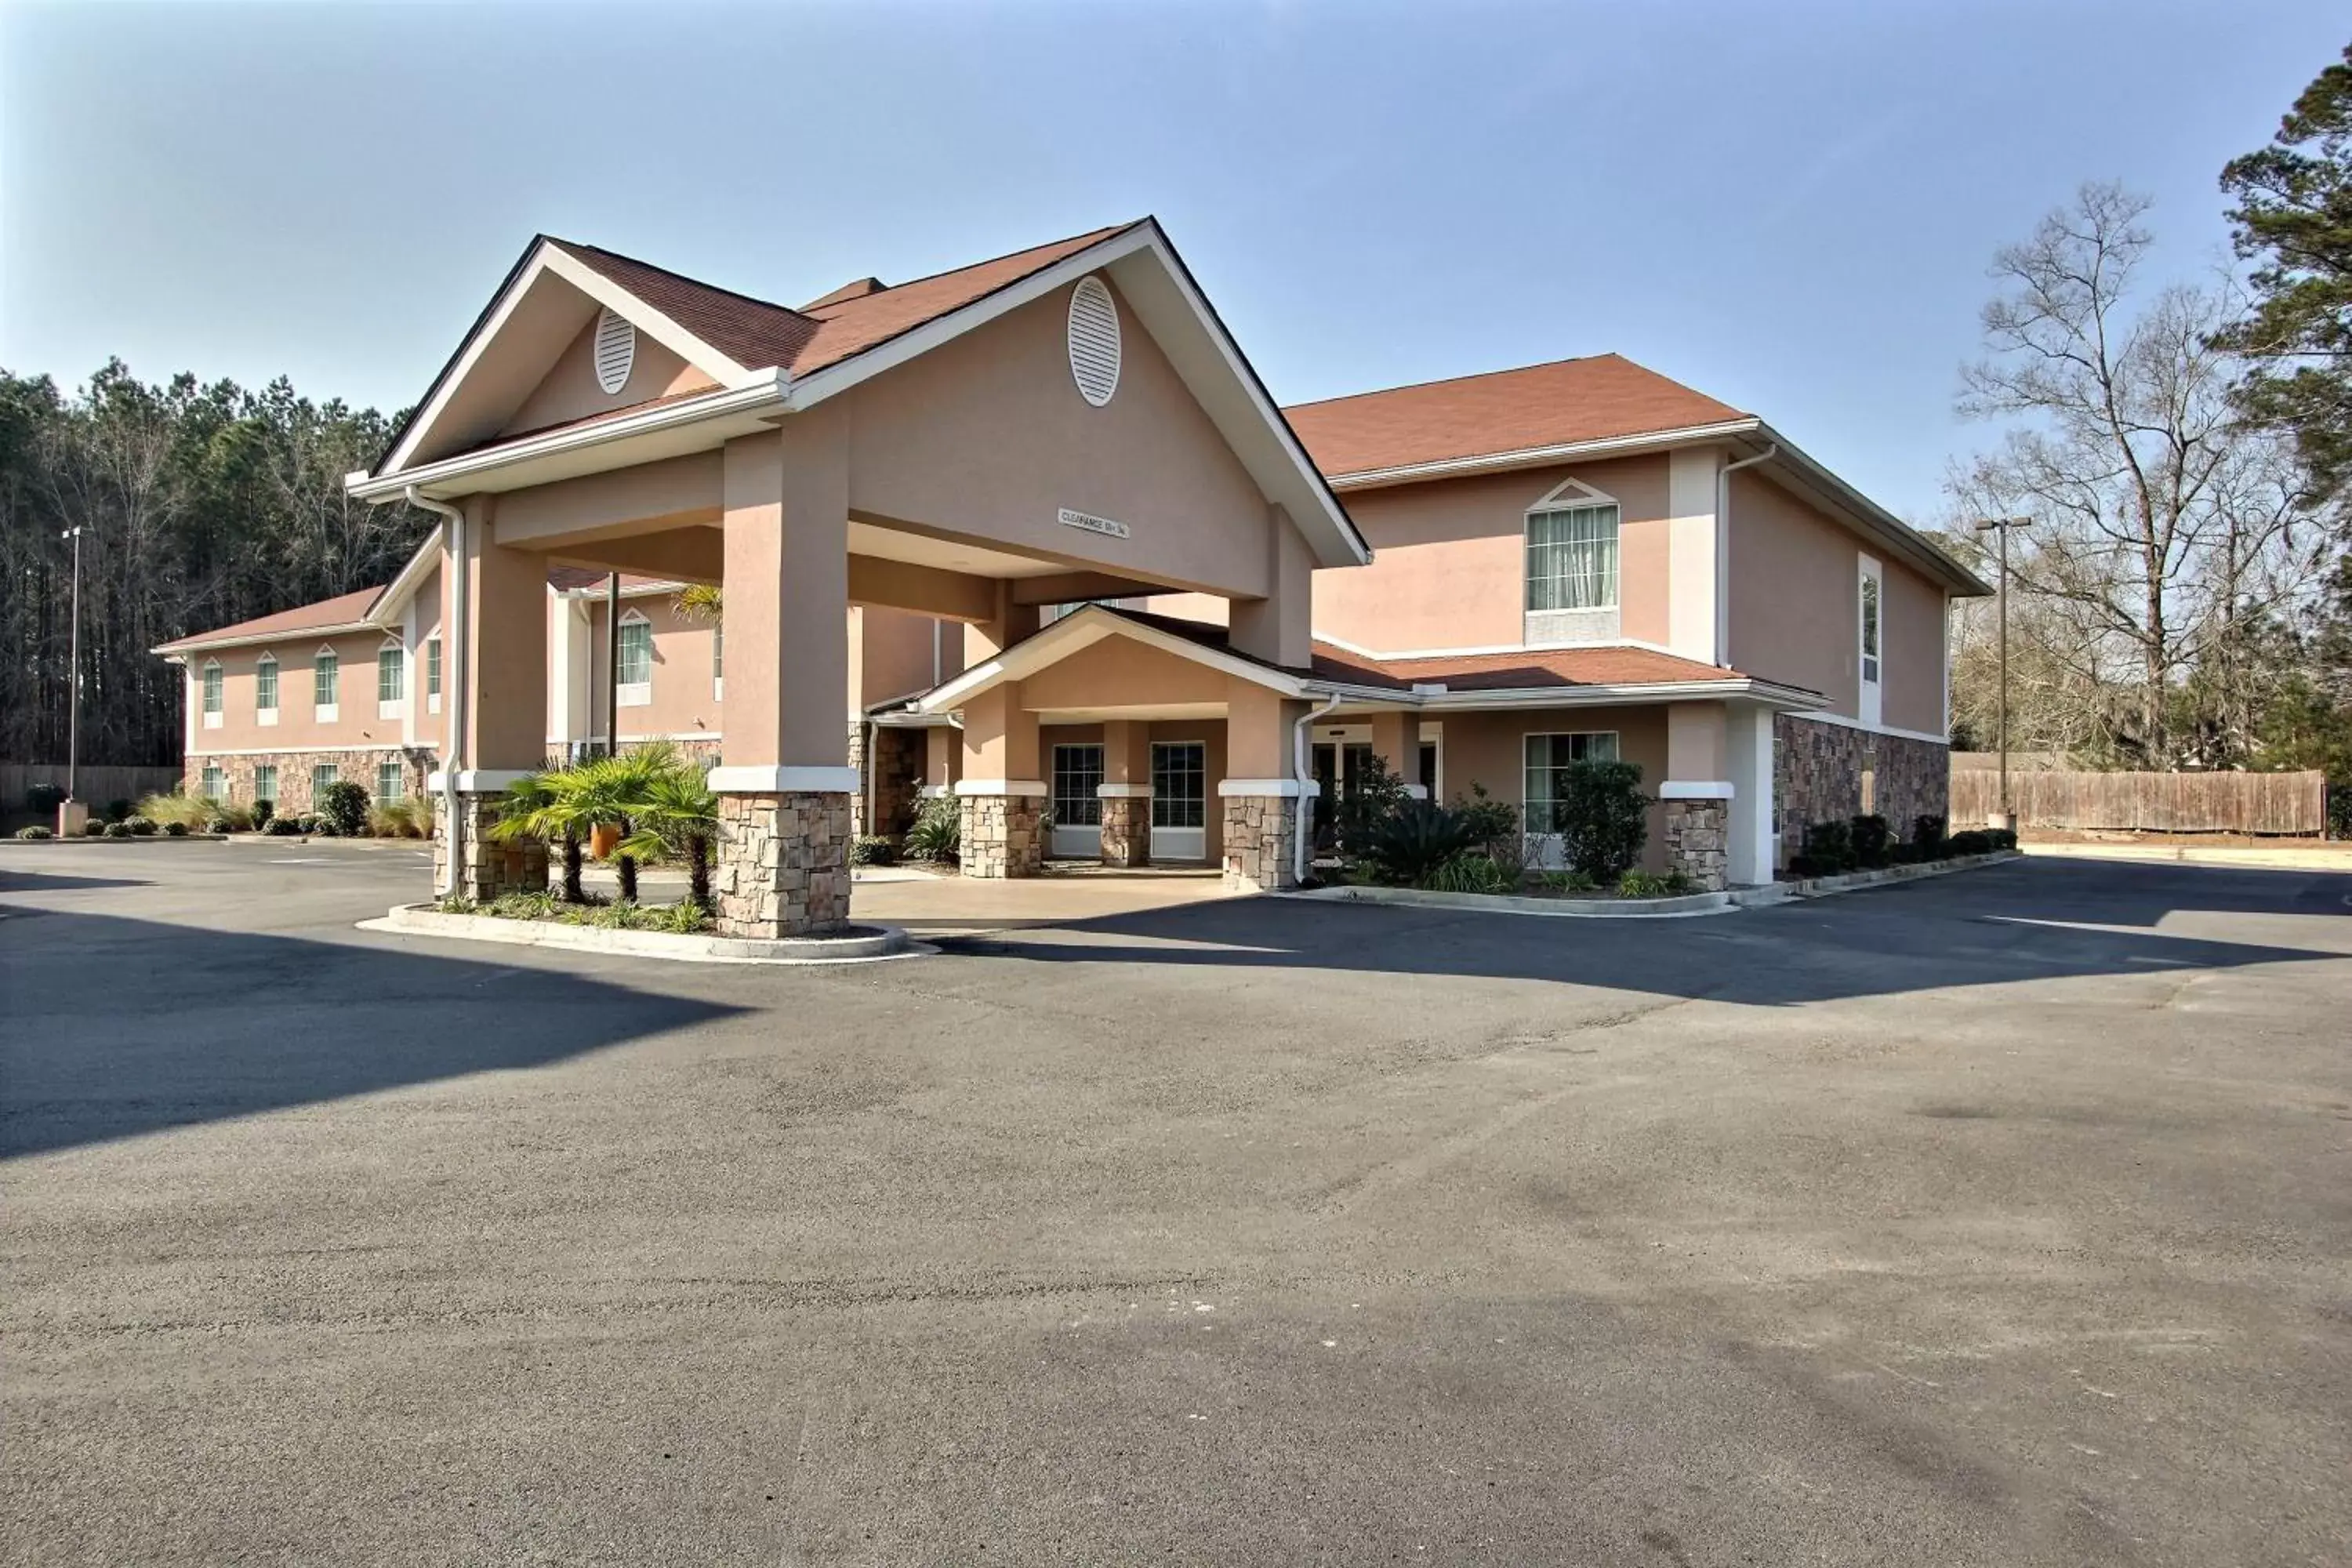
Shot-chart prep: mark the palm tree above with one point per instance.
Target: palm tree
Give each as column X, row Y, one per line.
column 701, row 601
column 570, row 803
column 538, row 806
column 676, row 818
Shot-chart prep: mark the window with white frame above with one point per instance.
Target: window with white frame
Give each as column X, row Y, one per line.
column 216, row 783
column 1179, row 784
column 1870, row 633
column 1548, row 759
column 212, row 685
column 265, row 783
column 1078, row 775
column 326, row 671
column 717, row 661
column 265, row 684
column 387, row 781
column 633, row 678
column 323, row 777
column 1572, row 556
column 432, row 673
column 391, row 679
column 1870, row 592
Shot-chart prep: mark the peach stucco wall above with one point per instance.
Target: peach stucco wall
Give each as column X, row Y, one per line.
column 1795, row 609
column 357, row 723
column 683, row 701
column 987, row 436
column 569, row 390
column 1490, row 749
column 1120, row 672
column 1449, row 558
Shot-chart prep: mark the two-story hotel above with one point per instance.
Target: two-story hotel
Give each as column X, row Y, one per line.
column 1032, row 532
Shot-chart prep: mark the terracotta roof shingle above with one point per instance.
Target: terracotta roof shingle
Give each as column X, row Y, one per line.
column 342, row 610
column 1507, row 410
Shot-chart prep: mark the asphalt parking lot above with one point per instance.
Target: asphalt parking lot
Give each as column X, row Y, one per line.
column 2002, row 1219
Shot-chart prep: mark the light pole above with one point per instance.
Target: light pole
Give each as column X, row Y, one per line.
column 2006, row 816
column 69, row 814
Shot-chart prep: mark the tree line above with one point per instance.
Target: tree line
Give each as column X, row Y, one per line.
column 199, row 506
column 2178, row 452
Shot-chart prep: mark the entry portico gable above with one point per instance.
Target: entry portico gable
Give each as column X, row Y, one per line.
column 1066, row 422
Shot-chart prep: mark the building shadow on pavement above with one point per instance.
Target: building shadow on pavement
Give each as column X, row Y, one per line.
column 111, row 1027
column 2024, row 920
column 15, row 881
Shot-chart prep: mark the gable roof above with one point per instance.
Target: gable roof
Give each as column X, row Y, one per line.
column 1539, row 406
column 343, row 613
column 806, row 356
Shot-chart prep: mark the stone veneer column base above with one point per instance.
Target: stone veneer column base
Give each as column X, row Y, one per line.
column 1261, row 841
column 488, row 869
column 1127, row 831
column 783, row 863
column 1002, row 836
column 1698, row 837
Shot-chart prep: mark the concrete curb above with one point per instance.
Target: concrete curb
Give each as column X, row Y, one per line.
column 424, row 920
column 1681, row 908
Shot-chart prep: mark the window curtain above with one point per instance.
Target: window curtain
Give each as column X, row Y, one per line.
column 1572, row 558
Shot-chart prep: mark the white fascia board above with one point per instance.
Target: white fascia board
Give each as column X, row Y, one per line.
column 1081, row 630
column 1760, row 691
column 725, row 400
column 1539, row 456
column 1141, row 238
column 393, row 600
column 547, row 258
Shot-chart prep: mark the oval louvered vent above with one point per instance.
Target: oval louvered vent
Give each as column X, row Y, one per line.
column 616, row 350
column 1094, row 342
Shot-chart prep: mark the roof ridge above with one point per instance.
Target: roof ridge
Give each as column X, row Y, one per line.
column 681, row 277
column 1096, row 234
column 1508, row 370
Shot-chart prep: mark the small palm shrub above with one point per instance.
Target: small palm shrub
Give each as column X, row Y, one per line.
column 1406, row 847
column 344, row 804
column 937, row 833
column 1603, row 819
column 37, row 831
column 874, row 849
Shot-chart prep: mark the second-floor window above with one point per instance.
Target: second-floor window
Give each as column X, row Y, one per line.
column 1870, row 627
column 265, row 684
column 1572, row 558
column 432, row 673
column 391, row 678
column 324, row 673
column 212, row 673
column 636, row 671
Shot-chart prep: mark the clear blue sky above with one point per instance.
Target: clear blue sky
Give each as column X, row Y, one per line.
column 1789, row 206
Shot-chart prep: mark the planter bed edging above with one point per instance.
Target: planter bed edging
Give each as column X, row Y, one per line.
column 424, row 920
column 1677, row 908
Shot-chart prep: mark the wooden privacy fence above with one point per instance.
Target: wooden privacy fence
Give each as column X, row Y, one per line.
column 97, row 784
column 2148, row 802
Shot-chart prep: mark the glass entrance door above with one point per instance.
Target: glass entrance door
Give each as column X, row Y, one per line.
column 1179, row 800
column 1077, row 808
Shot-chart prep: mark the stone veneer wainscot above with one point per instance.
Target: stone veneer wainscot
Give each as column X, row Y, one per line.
column 1817, row 771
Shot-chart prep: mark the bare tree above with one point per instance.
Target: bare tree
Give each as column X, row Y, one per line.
column 2166, row 528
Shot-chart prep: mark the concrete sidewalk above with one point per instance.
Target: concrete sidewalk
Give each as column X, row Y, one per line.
column 2331, row 856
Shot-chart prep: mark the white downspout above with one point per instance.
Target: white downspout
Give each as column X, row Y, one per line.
column 1723, row 547
column 454, row 687
column 1300, row 773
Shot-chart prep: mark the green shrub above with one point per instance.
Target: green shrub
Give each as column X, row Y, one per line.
column 176, row 829
column 263, row 810
column 1569, row 881
column 1406, row 847
column 1828, row 850
column 141, row 826
column 1971, row 841
column 1928, row 834
column 398, row 819
column 37, row 831
column 2002, row 837
column 937, row 833
column 874, row 849
column 1472, row 872
column 1603, row 819
column 345, row 805
column 1492, row 823
column 43, row 800
column 116, row 810
column 1871, row 839
column 194, row 810
column 283, row 826
column 1374, row 797
column 117, row 829
column 91, row 828
column 1649, row 885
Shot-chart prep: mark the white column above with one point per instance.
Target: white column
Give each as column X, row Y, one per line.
column 1748, row 758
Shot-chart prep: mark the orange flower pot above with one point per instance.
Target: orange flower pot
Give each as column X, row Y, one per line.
column 603, row 840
